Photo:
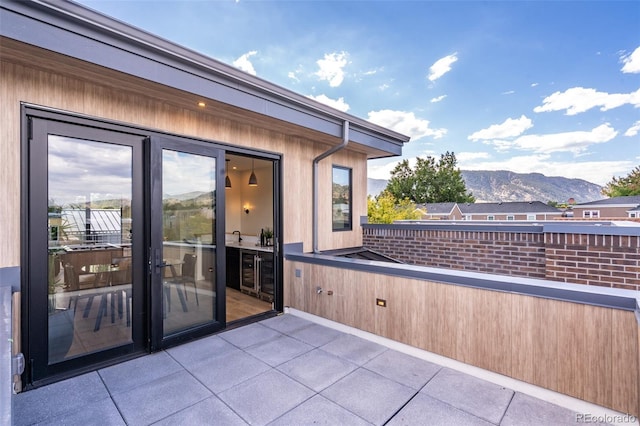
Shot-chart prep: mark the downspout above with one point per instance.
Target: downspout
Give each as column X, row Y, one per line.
column 345, row 142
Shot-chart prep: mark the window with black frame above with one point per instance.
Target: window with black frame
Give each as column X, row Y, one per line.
column 341, row 199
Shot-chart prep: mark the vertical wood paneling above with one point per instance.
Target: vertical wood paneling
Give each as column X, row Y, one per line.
column 624, row 368
column 598, row 354
column 571, row 348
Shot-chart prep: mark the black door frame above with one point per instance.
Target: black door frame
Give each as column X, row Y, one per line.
column 148, row 312
column 154, row 193
column 35, row 245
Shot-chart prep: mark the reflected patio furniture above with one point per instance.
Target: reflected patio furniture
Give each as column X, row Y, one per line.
column 179, row 281
column 122, row 278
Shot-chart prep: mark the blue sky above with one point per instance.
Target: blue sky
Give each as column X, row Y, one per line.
column 528, row 86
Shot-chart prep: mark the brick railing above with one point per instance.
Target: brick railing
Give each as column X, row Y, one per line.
column 601, row 255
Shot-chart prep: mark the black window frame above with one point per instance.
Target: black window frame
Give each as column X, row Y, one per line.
column 347, row 226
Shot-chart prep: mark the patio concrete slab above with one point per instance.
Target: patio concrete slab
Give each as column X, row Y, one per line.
column 227, row 371
column 316, row 335
column 353, row 348
column 202, row 350
column 279, row 350
column 424, row 410
column 208, row 411
column 475, row 396
column 250, row 335
column 319, row 411
column 369, row 395
column 317, row 369
column 99, row 413
column 286, row 324
column 525, row 410
column 126, row 375
column 266, row 397
column 403, row 368
column 63, row 397
column 160, row 398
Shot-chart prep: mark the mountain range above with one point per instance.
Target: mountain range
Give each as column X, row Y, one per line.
column 500, row 185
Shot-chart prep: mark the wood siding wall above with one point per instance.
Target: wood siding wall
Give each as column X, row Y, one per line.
column 38, row 77
column 587, row 352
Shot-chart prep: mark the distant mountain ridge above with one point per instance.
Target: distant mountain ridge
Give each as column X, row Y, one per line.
column 500, row 185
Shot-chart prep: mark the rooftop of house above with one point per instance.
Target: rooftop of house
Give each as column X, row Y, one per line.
column 628, row 201
column 514, row 207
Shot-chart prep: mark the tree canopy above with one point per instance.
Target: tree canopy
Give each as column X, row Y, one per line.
column 429, row 182
column 624, row 186
column 385, row 209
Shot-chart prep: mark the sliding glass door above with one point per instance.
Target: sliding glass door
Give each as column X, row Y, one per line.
column 85, row 291
column 186, row 278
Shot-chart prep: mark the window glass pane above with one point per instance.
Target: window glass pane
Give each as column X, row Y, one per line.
column 188, row 234
column 341, row 199
column 89, row 226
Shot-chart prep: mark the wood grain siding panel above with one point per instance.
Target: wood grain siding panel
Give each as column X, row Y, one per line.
column 584, row 351
column 598, row 354
column 624, row 367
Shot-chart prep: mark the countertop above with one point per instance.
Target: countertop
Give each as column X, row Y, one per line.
column 249, row 246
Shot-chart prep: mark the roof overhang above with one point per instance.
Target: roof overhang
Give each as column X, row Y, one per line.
column 78, row 32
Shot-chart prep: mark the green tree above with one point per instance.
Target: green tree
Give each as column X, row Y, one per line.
column 429, row 182
column 385, row 209
column 624, row 186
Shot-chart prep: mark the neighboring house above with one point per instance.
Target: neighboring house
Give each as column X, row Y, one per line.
column 518, row 210
column 196, row 163
column 616, row 207
column 439, row 211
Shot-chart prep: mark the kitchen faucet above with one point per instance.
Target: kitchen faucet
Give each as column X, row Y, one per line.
column 239, row 236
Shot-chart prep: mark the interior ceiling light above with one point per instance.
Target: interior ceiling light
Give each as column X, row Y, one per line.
column 227, row 181
column 253, row 180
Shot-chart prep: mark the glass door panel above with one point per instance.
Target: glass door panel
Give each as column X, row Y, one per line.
column 188, row 248
column 89, row 279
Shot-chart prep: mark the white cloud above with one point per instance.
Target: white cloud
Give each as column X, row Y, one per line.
column 383, row 87
column 534, row 84
column 338, row 104
column 575, row 142
column 442, row 66
column 464, row 157
column 292, row 75
column 511, row 127
column 631, row 62
column 405, row 123
column 599, row 172
column 509, row 92
column 579, row 99
column 438, row 99
column 633, row 130
column 244, row 64
column 331, row 68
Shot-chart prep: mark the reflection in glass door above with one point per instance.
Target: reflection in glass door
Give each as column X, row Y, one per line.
column 89, row 287
column 187, row 255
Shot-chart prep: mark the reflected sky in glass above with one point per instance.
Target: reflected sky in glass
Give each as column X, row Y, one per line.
column 82, row 170
column 183, row 173
column 341, row 176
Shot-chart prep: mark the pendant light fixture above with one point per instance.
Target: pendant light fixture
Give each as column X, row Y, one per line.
column 253, row 180
column 227, row 181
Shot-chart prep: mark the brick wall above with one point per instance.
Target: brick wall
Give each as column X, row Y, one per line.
column 526, row 251
column 603, row 260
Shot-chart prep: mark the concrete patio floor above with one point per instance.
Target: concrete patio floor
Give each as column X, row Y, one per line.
column 285, row 370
